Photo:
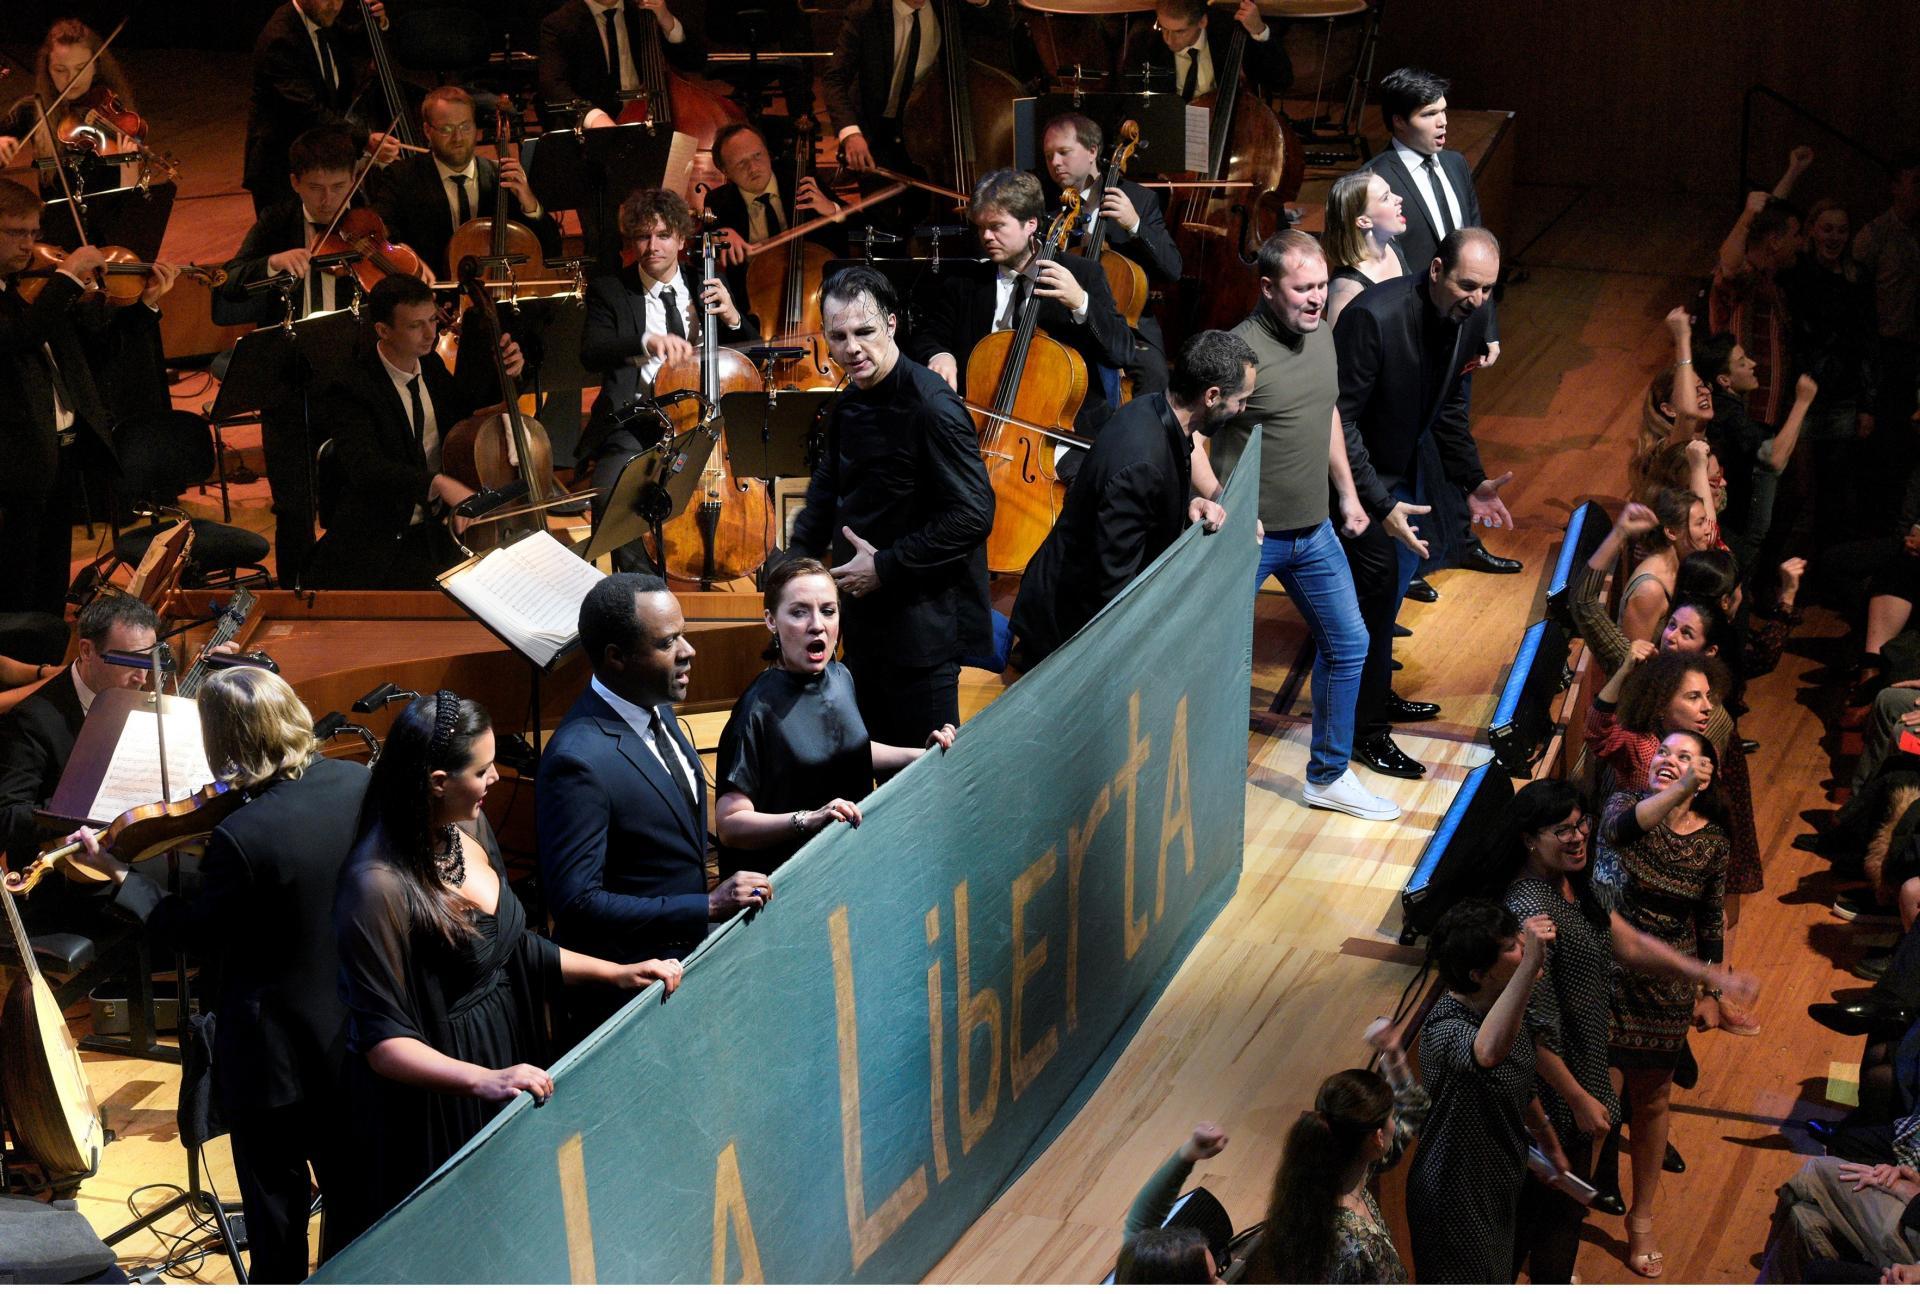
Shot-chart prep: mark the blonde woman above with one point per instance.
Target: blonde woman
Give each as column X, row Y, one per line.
column 1363, row 220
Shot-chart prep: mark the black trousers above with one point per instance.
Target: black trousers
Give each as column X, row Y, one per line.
column 288, row 446
column 272, row 1152
column 1546, row 1232
column 36, row 534
column 902, row 704
column 1379, row 585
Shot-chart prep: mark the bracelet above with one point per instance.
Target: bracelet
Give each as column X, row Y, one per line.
column 800, row 823
column 1682, row 363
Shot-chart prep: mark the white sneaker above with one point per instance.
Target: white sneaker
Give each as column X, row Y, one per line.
column 1345, row 795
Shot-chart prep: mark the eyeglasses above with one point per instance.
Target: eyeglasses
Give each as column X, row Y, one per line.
column 1575, row 833
column 453, row 131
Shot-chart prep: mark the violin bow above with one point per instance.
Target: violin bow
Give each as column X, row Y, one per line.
column 893, row 190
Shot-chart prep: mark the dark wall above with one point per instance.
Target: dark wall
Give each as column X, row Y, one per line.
column 1648, row 92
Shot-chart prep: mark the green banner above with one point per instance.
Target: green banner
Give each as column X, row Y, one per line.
column 844, row 1083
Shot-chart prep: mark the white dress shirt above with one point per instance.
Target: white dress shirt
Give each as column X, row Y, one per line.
column 429, row 430
column 656, row 317
column 641, row 721
column 331, row 285
column 1416, row 167
column 81, row 690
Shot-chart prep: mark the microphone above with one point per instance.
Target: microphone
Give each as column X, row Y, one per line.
column 880, row 236
column 488, row 500
column 766, row 354
column 237, row 659
column 938, row 231
column 385, row 694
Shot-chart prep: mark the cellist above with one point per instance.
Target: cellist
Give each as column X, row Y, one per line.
column 382, row 489
column 751, row 207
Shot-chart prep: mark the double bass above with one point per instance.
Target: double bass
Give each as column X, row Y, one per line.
column 1219, row 231
column 1018, row 380
column 727, row 530
column 959, row 120
column 1125, row 277
column 668, row 100
column 785, row 284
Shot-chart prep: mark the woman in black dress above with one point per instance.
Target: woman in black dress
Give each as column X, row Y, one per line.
column 1477, row 1063
column 447, row 989
column 1364, row 218
column 795, row 754
column 1548, row 832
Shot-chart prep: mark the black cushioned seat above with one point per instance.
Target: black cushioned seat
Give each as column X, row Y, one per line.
column 62, row 953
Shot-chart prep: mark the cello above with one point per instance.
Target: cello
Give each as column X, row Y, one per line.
column 502, row 446
column 1125, row 278
column 1219, row 231
column 788, row 280
column 668, row 100
column 727, row 530
column 959, row 119
column 1019, row 379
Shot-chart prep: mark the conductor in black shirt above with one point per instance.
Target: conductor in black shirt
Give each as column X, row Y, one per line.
column 901, row 500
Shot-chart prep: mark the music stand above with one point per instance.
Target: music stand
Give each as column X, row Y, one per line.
column 592, row 172
column 133, row 218
column 785, row 422
column 654, row 487
column 1169, row 127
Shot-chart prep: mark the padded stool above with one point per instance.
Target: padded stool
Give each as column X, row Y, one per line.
column 220, row 554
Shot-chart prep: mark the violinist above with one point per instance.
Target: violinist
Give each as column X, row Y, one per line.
column 61, row 68
column 381, row 489
column 1194, row 40
column 1075, row 305
column 308, row 68
column 750, row 207
column 645, row 316
column 1135, row 227
column 588, row 50
column 425, row 198
column 884, row 49
column 264, row 912
column 901, row 501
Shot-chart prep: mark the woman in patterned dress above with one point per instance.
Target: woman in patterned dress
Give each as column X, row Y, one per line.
column 1477, row 1060
column 1674, row 852
column 1569, row 1015
column 1323, row 1225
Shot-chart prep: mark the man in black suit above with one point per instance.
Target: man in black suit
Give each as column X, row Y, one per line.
column 1193, row 44
column 54, row 427
column 621, row 801
column 264, row 912
column 1407, row 351
column 885, row 48
column 308, row 71
column 1133, row 496
column 594, row 50
column 1076, row 306
column 383, row 495
column 1135, row 227
column 37, row 735
column 751, row 208
column 901, row 501
column 425, row 197
column 639, row 319
column 1436, row 191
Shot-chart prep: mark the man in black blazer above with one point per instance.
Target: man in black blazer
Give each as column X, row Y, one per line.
column 752, row 206
column 901, row 504
column 1132, row 497
column 1076, row 306
column 1436, row 191
column 1407, row 351
column 868, row 81
column 576, row 62
column 621, row 801
column 1134, row 227
column 1192, row 48
column 37, row 735
column 54, row 427
column 308, row 70
column 425, row 197
column 383, row 495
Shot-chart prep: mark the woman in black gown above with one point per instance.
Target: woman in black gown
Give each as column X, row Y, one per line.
column 447, row 989
column 795, row 754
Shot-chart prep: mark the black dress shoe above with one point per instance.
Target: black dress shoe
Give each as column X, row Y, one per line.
column 1748, row 746
column 1401, row 631
column 1610, row 1202
column 1856, row 1018
column 1475, row 557
column 1398, row 665
column 1671, row 1161
column 1401, row 710
column 1421, row 591
column 1382, row 756
column 1872, row 969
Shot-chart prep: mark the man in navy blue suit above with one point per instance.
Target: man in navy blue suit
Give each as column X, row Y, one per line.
column 621, row 801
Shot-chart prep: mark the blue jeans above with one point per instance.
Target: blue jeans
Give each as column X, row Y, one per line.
column 1313, row 569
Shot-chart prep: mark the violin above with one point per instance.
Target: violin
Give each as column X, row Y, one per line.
column 361, row 231
column 122, row 279
column 1019, row 379
column 142, row 832
column 788, row 280
column 101, row 121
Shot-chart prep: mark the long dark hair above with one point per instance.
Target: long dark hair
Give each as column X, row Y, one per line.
column 1650, row 689
column 434, row 733
column 1163, row 1256
column 1536, row 807
column 1299, row 1242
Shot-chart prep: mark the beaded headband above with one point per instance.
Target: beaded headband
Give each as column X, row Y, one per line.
column 446, row 716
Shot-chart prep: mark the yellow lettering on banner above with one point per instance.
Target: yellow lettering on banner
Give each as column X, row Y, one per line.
column 868, row 1233
column 1174, row 822
column 1026, row 1065
column 976, row 1009
column 1079, row 839
column 730, row 1205
column 937, row 1051
column 1138, row 748
column 571, row 1161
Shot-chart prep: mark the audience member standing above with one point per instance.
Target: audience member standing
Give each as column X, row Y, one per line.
column 1888, row 250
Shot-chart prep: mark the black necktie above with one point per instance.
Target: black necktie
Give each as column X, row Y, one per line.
column 671, row 300
column 328, row 72
column 1016, row 301
column 772, row 209
column 460, row 196
column 1193, row 73
column 419, row 409
column 613, row 48
column 1439, row 194
column 911, row 65
column 664, row 744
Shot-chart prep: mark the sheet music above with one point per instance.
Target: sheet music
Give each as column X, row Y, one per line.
column 680, row 158
column 1199, row 154
column 133, row 775
column 529, row 592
